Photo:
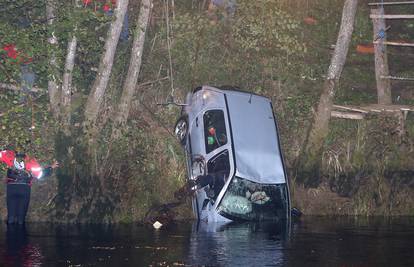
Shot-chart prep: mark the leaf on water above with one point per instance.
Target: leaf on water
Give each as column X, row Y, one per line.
column 153, row 248
column 104, row 248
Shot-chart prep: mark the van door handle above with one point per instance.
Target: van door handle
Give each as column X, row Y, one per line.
column 197, row 122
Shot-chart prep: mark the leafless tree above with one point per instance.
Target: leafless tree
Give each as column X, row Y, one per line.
column 320, row 127
column 53, row 88
column 130, row 84
column 66, row 93
column 99, row 86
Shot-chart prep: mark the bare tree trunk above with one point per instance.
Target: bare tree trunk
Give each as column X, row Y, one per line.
column 67, row 85
column 99, row 86
column 52, row 85
column 320, row 127
column 134, row 67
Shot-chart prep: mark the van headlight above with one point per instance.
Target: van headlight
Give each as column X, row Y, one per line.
column 206, row 95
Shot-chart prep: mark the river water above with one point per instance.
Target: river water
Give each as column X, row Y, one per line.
column 313, row 241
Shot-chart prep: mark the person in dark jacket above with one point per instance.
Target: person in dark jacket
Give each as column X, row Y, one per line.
column 21, row 171
column 215, row 181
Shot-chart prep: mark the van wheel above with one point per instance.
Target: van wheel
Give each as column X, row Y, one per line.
column 181, row 129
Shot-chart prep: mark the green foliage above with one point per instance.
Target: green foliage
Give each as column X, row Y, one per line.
column 22, row 25
column 90, row 28
column 264, row 48
column 22, row 122
column 363, row 30
column 26, row 27
column 237, row 50
column 263, row 26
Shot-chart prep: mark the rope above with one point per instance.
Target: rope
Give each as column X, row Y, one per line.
column 398, row 78
column 158, row 120
column 167, row 21
column 32, row 123
column 381, row 33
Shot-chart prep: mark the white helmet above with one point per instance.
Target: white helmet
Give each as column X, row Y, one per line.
column 18, row 164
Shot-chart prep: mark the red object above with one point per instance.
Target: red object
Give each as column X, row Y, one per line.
column 212, row 131
column 87, row 2
column 34, row 167
column 113, row 2
column 31, row 164
column 106, row 8
column 310, row 21
column 16, row 56
column 28, row 60
column 11, row 51
column 7, row 157
column 365, row 49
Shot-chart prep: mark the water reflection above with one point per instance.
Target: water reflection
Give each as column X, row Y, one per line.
column 315, row 241
column 238, row 244
column 352, row 242
column 19, row 251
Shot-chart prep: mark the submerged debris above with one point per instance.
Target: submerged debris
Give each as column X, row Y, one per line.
column 161, row 215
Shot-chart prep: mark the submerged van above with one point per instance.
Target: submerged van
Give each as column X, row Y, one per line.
column 234, row 133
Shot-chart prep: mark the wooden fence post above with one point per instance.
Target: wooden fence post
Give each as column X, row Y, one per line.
column 381, row 60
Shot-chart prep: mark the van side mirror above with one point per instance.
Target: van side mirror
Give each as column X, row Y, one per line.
column 198, row 166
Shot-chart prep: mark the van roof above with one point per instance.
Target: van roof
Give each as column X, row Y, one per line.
column 255, row 138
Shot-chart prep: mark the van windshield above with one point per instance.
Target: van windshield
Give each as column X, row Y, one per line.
column 246, row 200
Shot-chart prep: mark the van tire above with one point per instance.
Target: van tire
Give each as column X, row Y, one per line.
column 181, row 129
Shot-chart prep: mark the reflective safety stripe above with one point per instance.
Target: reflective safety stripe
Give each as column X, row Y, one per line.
column 19, row 183
column 40, row 175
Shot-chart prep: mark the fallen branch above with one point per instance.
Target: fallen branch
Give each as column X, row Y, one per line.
column 17, row 88
column 151, row 82
column 389, row 108
column 347, row 115
column 350, row 108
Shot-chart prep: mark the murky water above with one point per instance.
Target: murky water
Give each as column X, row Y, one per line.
column 315, row 241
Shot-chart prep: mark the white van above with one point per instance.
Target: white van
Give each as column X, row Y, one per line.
column 233, row 133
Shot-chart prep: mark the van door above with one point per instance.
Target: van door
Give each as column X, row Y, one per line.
column 217, row 141
column 197, row 147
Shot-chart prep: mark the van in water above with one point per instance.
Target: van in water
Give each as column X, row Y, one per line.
column 233, row 133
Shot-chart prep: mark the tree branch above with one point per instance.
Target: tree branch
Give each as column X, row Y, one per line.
column 13, row 87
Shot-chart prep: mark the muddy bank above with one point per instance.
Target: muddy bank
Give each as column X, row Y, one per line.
column 392, row 195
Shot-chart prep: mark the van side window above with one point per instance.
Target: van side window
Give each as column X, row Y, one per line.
column 214, row 130
column 219, row 163
column 218, row 169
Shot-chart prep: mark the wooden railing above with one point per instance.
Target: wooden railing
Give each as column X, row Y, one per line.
column 383, row 77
